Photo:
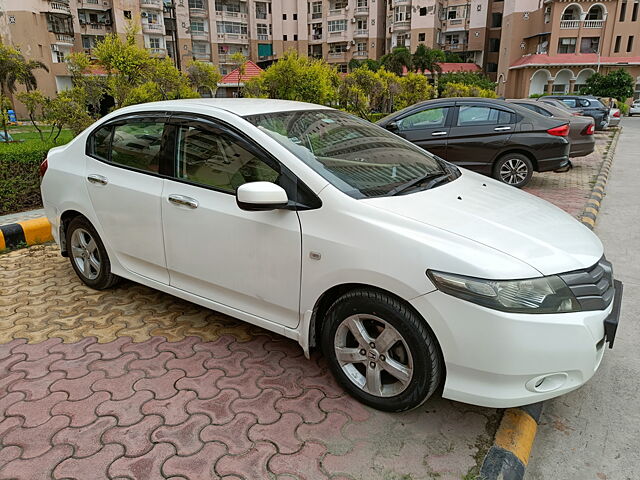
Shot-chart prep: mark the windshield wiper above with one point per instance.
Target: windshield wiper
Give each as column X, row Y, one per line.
column 432, row 178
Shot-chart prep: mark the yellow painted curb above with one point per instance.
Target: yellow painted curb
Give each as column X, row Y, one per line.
column 516, row 433
column 37, row 230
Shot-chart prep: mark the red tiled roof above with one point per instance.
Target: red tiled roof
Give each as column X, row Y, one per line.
column 95, row 70
column 251, row 70
column 448, row 67
column 591, row 59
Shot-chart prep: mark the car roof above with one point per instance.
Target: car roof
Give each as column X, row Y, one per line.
column 237, row 106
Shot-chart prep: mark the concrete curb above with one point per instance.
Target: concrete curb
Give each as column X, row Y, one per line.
column 24, row 233
column 592, row 207
column 508, row 456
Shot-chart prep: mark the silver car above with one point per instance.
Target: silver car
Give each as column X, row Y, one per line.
column 581, row 127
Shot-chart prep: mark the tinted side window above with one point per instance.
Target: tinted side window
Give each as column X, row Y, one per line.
column 211, row 157
column 476, row 115
column 430, row 118
column 99, row 143
column 570, row 102
column 137, row 145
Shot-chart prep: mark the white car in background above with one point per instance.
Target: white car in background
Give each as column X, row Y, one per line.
column 406, row 271
column 635, row 108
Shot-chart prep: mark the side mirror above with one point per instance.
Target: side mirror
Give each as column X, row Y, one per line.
column 261, row 196
column 392, row 127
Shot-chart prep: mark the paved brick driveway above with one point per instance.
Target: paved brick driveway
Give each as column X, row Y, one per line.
column 133, row 383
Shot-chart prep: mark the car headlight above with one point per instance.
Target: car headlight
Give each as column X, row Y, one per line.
column 533, row 295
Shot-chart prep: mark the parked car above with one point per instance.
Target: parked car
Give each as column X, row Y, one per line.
column 406, row 271
column 587, row 105
column 488, row 136
column 581, row 128
column 561, row 105
column 635, row 108
column 614, row 117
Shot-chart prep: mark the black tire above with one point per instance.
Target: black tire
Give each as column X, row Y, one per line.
column 98, row 278
column 513, row 169
column 424, row 357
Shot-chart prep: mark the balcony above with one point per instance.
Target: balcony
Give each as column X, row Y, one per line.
column 64, row 39
column 95, row 4
column 336, row 12
column 316, row 37
column 337, row 55
column 202, row 56
column 198, row 12
column 153, row 28
column 157, row 52
column 233, row 37
column 402, row 26
column 569, row 24
column 454, row 46
column 59, row 7
column 225, row 14
column 363, row 33
column 314, row 16
column 395, row 3
column 151, row 4
column 337, row 36
column 199, row 34
column 593, row 23
column 361, row 54
column 361, row 11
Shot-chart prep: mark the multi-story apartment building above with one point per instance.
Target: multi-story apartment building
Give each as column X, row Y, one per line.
column 527, row 46
column 555, row 46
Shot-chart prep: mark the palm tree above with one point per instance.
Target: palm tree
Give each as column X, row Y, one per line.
column 428, row 59
column 14, row 69
column 397, row 60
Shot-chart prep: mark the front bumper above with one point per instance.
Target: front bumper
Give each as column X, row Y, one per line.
column 497, row 359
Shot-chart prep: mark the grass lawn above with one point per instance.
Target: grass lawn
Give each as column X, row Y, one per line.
column 28, row 132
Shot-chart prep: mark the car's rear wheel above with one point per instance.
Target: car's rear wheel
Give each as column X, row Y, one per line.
column 381, row 351
column 513, row 169
column 88, row 256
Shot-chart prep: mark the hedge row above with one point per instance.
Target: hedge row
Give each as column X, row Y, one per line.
column 19, row 178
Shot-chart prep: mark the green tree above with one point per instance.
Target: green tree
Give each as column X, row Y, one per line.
column 94, row 86
column 414, row 88
column 14, row 70
column 461, row 90
column 203, row 75
column 452, row 57
column 467, row 78
column 34, row 102
column 296, row 78
column 360, row 91
column 68, row 109
column 240, row 62
column 396, row 61
column 427, row 59
column 385, row 103
column 618, row 84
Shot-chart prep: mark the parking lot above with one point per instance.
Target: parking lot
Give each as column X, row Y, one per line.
column 134, row 383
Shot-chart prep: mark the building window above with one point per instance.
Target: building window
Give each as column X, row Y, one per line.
column 363, row 3
column 623, row 10
column 154, row 42
column 201, row 48
column 630, row 44
column 197, row 26
column 231, row 27
column 127, row 14
column 494, row 45
column 590, row 45
column 342, row 68
column 422, row 37
column 492, row 67
column 316, row 10
column 295, row 37
column 295, row 16
column 559, row 89
column 634, row 14
column 338, row 4
column 337, row 25
column 261, row 10
column 423, row 11
column 262, row 29
column 284, row 16
column 496, row 20
column 57, row 55
column 567, row 45
column 337, row 48
column 284, row 37
column 196, row 4
column 616, row 49
column 361, row 47
column 401, row 13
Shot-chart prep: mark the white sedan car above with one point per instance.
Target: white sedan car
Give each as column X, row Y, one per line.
column 405, row 270
column 635, row 108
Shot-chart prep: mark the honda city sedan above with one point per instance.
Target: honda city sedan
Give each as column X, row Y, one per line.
column 407, row 272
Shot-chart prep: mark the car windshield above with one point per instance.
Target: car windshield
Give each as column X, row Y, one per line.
column 361, row 159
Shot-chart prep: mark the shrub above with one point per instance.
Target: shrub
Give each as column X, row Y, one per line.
column 462, row 90
column 19, row 179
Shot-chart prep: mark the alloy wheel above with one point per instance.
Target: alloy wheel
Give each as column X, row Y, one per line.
column 84, row 251
column 373, row 355
column 514, row 171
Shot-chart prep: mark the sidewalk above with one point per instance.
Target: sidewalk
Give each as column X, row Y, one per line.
column 20, row 216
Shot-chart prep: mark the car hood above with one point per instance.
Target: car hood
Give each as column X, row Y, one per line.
column 504, row 218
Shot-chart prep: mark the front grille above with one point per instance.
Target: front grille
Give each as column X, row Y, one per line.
column 592, row 287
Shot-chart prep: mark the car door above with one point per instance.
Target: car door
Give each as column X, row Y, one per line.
column 246, row 260
column 427, row 128
column 478, row 133
column 124, row 165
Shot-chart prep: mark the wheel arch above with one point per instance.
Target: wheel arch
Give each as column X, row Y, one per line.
column 521, row 151
column 65, row 219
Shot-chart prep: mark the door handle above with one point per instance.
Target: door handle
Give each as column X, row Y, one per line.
column 97, row 179
column 438, row 134
column 183, row 201
column 502, row 129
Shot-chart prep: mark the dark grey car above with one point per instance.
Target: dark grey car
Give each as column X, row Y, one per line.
column 489, row 136
column 587, row 105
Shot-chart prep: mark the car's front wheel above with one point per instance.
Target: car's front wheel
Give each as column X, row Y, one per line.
column 513, row 169
column 88, row 256
column 381, row 351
